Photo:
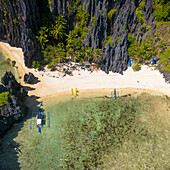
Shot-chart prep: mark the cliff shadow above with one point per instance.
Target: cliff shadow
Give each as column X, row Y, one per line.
column 9, row 147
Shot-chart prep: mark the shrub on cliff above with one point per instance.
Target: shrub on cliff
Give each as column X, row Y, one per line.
column 3, row 98
column 164, row 60
column 162, row 10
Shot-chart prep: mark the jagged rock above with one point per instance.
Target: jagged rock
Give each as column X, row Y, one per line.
column 11, row 113
column 2, row 88
column 29, row 78
column 15, row 110
column 22, row 33
column 20, row 27
column 13, row 86
column 167, row 76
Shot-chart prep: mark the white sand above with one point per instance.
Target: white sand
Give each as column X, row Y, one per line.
column 146, row 78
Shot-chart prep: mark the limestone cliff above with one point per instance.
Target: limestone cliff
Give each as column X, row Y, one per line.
column 13, row 109
column 20, row 21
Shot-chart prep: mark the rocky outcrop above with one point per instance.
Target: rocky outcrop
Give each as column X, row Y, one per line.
column 30, row 78
column 15, row 110
column 166, row 75
column 24, row 17
column 13, row 86
column 19, row 23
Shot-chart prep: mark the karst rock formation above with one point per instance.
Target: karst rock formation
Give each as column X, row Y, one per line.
column 20, row 21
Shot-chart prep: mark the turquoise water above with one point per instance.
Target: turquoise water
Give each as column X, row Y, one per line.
column 83, row 130
column 4, row 66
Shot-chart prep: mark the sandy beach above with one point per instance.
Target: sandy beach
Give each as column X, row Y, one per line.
column 52, row 83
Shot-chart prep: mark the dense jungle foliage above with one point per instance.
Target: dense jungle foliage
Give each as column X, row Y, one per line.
column 58, row 45
column 154, row 46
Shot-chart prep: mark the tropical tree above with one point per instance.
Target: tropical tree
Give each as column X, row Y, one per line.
column 58, row 29
column 133, row 46
column 43, row 37
column 96, row 55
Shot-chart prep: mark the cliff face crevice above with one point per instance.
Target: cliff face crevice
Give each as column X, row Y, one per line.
column 20, row 21
column 19, row 24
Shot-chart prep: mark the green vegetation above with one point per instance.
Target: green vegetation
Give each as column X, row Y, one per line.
column 162, row 10
column 58, row 29
column 94, row 20
column 60, row 47
column 144, row 50
column 72, row 7
column 108, row 39
column 140, row 16
column 140, row 51
column 92, row 133
column 118, row 38
column 164, row 60
column 111, row 12
column 36, row 64
column 136, row 66
column 7, row 65
column 42, row 38
column 49, row 2
column 139, row 12
column 15, row 21
column 3, row 98
column 153, row 46
column 124, row 28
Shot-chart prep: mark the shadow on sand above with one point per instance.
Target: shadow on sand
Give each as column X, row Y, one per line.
column 9, row 148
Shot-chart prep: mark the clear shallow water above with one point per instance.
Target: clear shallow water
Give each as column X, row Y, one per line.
column 6, row 67
column 83, row 129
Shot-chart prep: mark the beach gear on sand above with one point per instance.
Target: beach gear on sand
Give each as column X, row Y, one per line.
column 129, row 62
column 152, row 61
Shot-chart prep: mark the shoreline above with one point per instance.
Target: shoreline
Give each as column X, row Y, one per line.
column 104, row 91
column 146, row 80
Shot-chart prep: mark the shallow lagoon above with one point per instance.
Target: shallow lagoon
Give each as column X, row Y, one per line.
column 90, row 132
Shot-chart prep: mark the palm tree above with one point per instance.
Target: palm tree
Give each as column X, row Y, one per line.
column 96, row 54
column 58, row 29
column 42, row 38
